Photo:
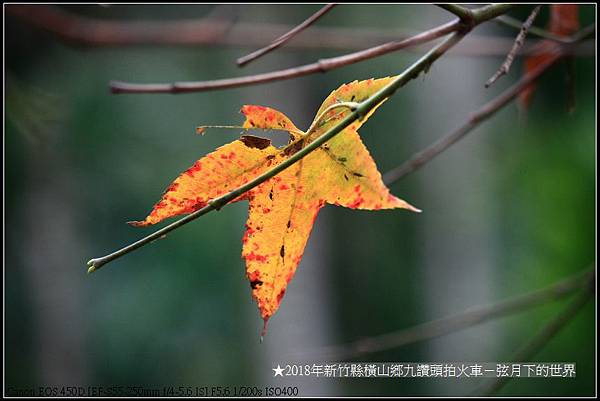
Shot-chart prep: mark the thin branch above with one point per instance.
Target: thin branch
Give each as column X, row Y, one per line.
column 72, row 28
column 209, row 31
column 451, row 324
column 519, row 41
column 322, row 65
column 583, row 34
column 480, row 15
column 542, row 33
column 461, row 12
column 242, row 61
column 360, row 111
column 489, row 109
column 543, row 337
column 533, row 30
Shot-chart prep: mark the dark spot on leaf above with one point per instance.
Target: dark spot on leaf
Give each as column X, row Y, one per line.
column 352, row 99
column 271, row 194
column 357, row 174
column 346, row 177
column 252, row 141
column 289, row 223
column 293, row 148
column 255, row 283
column 342, row 159
column 269, row 157
column 282, row 251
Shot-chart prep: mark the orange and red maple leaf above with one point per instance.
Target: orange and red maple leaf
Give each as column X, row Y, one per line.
column 282, row 210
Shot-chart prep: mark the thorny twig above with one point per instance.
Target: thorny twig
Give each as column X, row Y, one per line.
column 423, row 157
column 519, row 41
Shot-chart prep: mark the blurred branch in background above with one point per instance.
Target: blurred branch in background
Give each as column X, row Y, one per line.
column 451, row 324
column 242, row 61
column 218, row 30
column 543, row 337
column 486, row 111
column 34, row 112
column 532, row 30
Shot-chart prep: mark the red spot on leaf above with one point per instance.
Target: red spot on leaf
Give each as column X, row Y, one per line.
column 356, row 203
column 280, row 295
column 172, row 187
column 254, row 275
column 256, row 257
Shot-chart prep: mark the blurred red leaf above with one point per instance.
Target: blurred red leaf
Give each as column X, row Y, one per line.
column 564, row 21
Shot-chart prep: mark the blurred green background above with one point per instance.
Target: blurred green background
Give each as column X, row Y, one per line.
column 508, row 210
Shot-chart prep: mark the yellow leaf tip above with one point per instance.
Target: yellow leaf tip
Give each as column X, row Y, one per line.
column 414, row 209
column 408, row 206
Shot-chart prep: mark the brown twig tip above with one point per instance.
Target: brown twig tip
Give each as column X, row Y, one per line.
column 242, row 61
column 519, row 41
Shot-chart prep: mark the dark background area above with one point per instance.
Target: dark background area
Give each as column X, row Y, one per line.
column 508, row 210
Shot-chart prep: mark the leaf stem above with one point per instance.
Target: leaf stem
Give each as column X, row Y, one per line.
column 351, row 105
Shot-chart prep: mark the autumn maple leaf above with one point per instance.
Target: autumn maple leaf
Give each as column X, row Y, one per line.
column 282, row 210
